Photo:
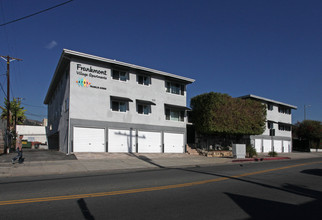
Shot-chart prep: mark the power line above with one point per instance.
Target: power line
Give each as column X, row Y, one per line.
column 36, row 115
column 3, row 89
column 28, row 16
column 36, row 106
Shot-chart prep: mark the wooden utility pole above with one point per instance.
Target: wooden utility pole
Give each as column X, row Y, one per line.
column 8, row 59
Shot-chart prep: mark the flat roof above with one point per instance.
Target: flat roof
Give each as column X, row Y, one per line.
column 251, row 96
column 67, row 54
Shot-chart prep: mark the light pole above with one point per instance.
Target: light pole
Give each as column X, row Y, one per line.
column 305, row 106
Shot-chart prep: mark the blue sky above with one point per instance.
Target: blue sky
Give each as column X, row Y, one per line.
column 269, row 48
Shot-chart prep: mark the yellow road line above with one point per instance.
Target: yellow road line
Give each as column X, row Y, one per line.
column 147, row 189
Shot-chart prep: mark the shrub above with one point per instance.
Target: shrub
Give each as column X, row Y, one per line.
column 272, row 154
column 250, row 151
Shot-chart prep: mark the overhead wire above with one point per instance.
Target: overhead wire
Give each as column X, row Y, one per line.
column 3, row 89
column 42, row 11
column 35, row 115
column 36, row 106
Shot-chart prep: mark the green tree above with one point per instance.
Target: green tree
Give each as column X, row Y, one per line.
column 309, row 130
column 216, row 113
column 16, row 114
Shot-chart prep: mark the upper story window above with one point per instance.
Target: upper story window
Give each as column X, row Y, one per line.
column 120, row 104
column 144, row 109
column 174, row 114
column 284, row 127
column 144, row 106
column 175, row 88
column 66, row 104
column 270, row 107
column 120, row 75
column 284, row 110
column 270, row 125
column 144, row 80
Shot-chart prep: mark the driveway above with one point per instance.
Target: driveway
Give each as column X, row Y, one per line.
column 37, row 155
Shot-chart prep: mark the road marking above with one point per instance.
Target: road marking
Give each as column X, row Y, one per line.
column 147, row 189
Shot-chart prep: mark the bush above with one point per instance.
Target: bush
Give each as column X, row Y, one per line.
column 250, row 151
column 272, row 154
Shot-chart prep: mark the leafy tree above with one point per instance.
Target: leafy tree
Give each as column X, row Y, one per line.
column 309, row 130
column 17, row 114
column 216, row 113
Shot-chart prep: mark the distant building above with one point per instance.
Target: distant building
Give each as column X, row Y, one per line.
column 33, row 134
column 278, row 133
column 101, row 105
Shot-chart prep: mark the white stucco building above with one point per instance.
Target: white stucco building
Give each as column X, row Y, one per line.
column 278, row 133
column 102, row 105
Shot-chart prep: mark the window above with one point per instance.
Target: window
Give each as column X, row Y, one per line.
column 270, row 125
column 119, row 106
column 120, row 75
column 270, row 107
column 66, row 104
column 284, row 110
column 144, row 80
column 174, row 115
column 175, row 88
column 284, row 127
column 144, row 109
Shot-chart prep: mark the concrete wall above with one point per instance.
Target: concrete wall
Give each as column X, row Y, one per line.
column 93, row 102
column 275, row 116
column 38, row 133
column 58, row 114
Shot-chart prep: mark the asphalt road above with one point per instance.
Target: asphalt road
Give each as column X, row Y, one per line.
column 268, row 190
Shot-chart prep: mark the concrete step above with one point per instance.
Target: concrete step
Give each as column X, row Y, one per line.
column 192, row 151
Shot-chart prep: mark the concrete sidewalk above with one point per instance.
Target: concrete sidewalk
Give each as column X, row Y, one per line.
column 104, row 162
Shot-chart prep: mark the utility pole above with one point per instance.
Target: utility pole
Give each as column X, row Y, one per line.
column 8, row 59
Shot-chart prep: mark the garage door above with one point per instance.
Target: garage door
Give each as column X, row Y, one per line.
column 286, row 146
column 267, row 144
column 258, row 145
column 173, row 143
column 121, row 141
column 89, row 139
column 278, row 146
column 149, row 142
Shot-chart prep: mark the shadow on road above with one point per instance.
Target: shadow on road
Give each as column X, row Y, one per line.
column 317, row 172
column 84, row 209
column 258, row 208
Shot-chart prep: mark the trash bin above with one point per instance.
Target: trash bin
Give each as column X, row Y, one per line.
column 26, row 144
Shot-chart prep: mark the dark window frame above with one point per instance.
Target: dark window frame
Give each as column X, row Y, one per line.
column 120, row 75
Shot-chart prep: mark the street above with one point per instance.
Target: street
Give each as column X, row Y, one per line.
column 265, row 190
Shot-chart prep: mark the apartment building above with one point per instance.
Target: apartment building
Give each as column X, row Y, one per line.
column 278, row 132
column 102, row 105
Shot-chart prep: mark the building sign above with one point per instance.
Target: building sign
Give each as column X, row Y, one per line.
column 92, row 72
column 83, row 83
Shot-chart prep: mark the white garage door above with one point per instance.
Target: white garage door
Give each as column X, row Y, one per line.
column 267, row 144
column 286, row 146
column 89, row 139
column 258, row 145
column 278, row 146
column 121, row 141
column 173, row 143
column 149, row 142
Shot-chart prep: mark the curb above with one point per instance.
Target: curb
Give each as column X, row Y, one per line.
column 261, row 159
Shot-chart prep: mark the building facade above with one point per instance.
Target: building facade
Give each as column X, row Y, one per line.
column 278, row 132
column 101, row 105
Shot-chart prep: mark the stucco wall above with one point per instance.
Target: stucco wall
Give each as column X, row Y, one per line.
column 58, row 111
column 275, row 116
column 92, row 102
